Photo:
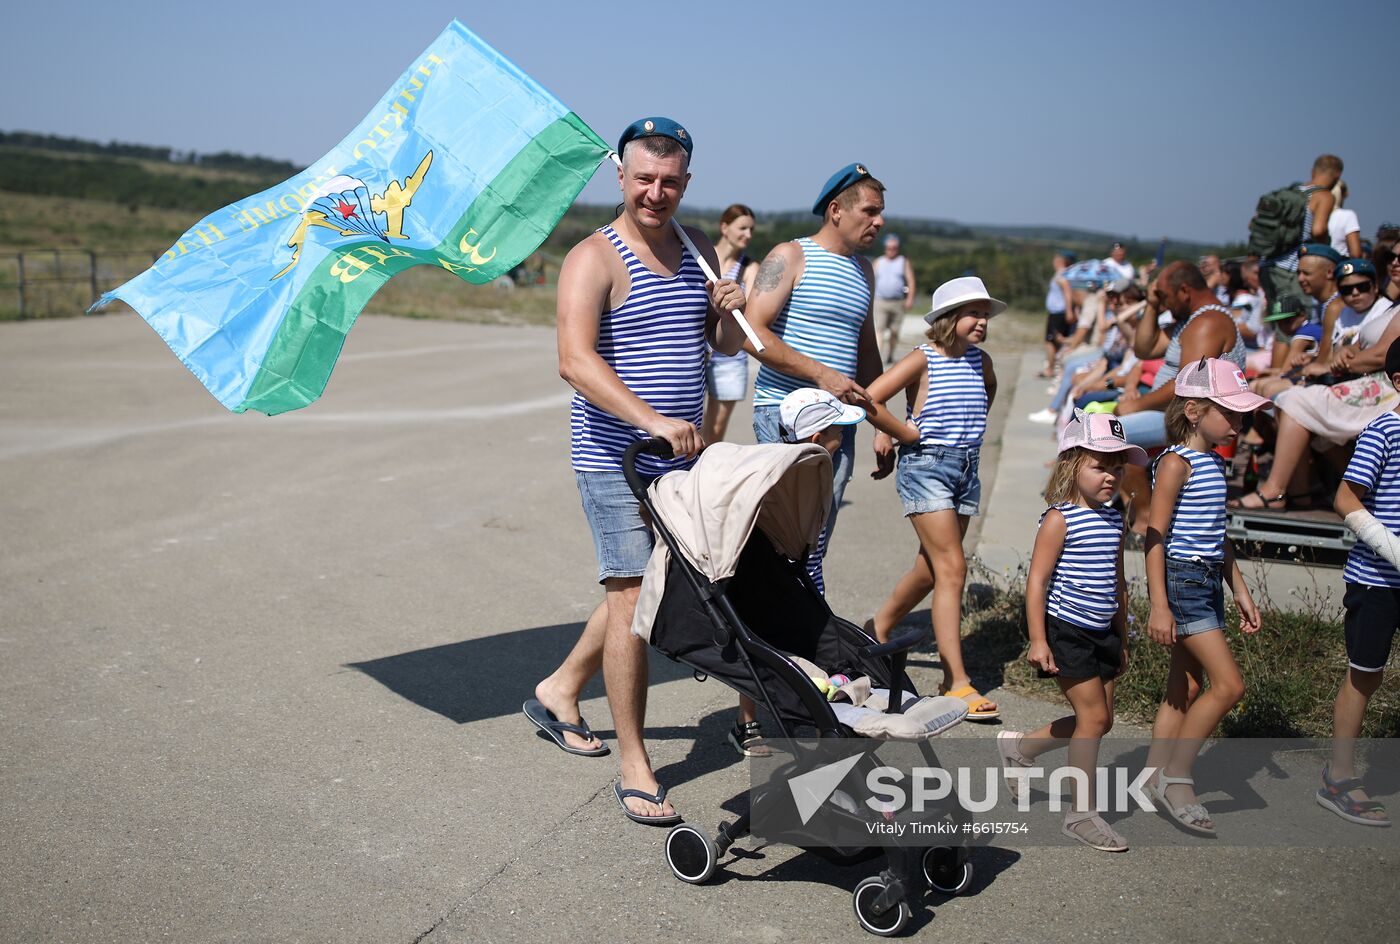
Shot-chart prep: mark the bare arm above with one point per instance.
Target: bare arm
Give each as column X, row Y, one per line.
column 1372, row 358
column 909, row 286
column 771, row 292
column 1350, row 497
column 1049, row 545
column 1323, row 203
column 868, row 361
column 1210, row 335
column 989, row 378
column 723, row 332
column 1172, row 473
column 1324, row 347
column 900, row 375
column 1149, row 340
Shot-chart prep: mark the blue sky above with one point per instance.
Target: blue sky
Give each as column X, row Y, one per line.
column 1137, row 119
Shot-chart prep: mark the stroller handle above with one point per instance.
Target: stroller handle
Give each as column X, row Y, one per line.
column 901, row 643
column 652, row 446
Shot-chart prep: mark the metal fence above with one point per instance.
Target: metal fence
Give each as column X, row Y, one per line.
column 50, row 283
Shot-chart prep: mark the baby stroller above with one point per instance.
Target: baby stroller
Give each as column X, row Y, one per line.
column 726, row 593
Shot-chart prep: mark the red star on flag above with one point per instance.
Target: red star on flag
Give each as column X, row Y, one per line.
column 346, row 210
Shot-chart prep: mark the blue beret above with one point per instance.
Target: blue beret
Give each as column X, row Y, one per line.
column 1069, row 255
column 1354, row 267
column 1322, row 250
column 655, row 127
column 837, row 182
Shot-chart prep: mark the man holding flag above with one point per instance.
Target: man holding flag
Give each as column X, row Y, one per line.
column 635, row 313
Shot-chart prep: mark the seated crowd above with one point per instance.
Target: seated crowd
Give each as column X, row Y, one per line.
column 1309, row 327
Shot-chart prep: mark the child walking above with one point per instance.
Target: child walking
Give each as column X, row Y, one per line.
column 1187, row 554
column 1077, row 609
column 1369, row 500
column 952, row 386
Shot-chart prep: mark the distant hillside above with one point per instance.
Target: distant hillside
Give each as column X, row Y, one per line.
column 115, row 196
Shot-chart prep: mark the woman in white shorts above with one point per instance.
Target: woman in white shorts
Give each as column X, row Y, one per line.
column 727, row 378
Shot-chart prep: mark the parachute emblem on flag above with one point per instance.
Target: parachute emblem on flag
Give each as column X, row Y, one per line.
column 344, row 205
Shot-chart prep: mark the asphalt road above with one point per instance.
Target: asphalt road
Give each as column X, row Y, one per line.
column 261, row 682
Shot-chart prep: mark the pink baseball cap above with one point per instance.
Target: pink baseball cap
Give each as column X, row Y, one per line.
column 1099, row 432
column 1220, row 382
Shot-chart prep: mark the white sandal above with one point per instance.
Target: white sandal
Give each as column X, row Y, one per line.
column 1101, row 836
column 1009, row 747
column 1189, row 816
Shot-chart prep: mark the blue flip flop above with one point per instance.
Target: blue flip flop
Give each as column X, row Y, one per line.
column 659, row 798
column 544, row 719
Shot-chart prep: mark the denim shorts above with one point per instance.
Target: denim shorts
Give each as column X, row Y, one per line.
column 1195, row 595
column 621, row 539
column 728, row 377
column 938, row 478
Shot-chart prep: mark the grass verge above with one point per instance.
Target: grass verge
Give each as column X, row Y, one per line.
column 1291, row 667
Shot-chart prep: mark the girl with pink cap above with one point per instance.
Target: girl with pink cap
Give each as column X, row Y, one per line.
column 1076, row 611
column 1187, row 557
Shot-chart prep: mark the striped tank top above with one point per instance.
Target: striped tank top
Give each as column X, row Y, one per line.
column 954, row 412
column 1084, row 587
column 740, row 357
column 1171, row 365
column 822, row 319
column 655, row 343
column 1197, row 531
column 1375, row 465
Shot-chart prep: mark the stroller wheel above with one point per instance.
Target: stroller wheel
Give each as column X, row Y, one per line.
column 691, row 854
column 946, row 870
column 889, row 922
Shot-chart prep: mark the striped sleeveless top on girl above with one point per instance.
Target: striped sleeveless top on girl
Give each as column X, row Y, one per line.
column 1084, row 587
column 655, row 342
column 733, row 272
column 954, row 411
column 1197, row 531
column 822, row 319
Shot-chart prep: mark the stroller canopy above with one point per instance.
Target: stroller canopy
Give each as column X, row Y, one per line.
column 712, row 508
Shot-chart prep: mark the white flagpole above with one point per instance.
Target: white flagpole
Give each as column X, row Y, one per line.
column 709, row 273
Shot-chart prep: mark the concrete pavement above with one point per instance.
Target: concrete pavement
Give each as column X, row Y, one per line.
column 261, row 681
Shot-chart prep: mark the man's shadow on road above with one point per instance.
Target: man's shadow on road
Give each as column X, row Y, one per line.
column 491, row 676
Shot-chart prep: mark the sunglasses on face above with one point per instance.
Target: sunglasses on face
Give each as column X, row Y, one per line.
column 1355, row 288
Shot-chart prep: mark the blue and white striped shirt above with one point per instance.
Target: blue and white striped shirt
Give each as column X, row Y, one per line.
column 655, row 343
column 1084, row 587
column 954, row 412
column 822, row 319
column 1375, row 465
column 1197, row 531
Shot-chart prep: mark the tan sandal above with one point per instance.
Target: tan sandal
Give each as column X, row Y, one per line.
column 1091, row 829
column 975, row 700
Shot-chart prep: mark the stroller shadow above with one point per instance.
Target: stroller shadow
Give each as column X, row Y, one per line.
column 988, row 864
column 462, row 681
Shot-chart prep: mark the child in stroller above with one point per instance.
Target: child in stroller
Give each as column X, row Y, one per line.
column 726, row 594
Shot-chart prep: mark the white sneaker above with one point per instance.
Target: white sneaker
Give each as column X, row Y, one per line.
column 1044, row 417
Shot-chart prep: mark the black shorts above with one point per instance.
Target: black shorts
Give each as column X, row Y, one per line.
column 1056, row 326
column 1082, row 653
column 1373, row 614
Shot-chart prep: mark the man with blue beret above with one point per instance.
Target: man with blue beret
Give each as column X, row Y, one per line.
column 1316, row 262
column 812, row 305
column 620, row 289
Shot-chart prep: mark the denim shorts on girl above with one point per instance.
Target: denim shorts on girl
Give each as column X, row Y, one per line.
column 1195, row 595
column 938, row 478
